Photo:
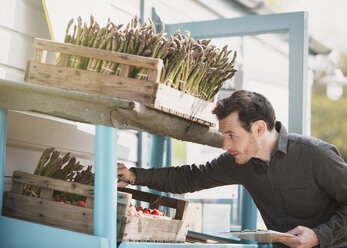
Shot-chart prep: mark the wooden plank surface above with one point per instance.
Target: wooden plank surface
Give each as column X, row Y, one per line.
column 90, row 82
column 181, row 210
column 146, row 197
column 54, row 213
column 48, row 212
column 161, row 230
column 40, row 55
column 103, row 110
column 17, row 188
column 124, row 71
column 90, row 202
column 46, row 193
column 123, row 203
column 63, row 59
column 54, row 184
column 184, row 105
column 160, row 123
column 122, row 58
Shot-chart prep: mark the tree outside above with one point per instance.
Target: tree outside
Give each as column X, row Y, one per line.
column 329, row 118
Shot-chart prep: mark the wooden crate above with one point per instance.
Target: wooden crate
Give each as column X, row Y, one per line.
column 44, row 210
column 149, row 92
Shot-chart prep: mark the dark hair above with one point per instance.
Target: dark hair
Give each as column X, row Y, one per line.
column 250, row 107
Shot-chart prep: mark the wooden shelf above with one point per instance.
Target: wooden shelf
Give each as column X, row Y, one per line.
column 102, row 110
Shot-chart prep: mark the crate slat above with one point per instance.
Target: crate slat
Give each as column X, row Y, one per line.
column 46, row 193
column 88, row 52
column 181, row 210
column 40, row 55
column 179, row 205
column 17, row 188
column 184, row 105
column 63, row 59
column 54, row 184
column 90, row 82
column 48, row 212
column 124, row 71
column 149, row 229
column 90, row 202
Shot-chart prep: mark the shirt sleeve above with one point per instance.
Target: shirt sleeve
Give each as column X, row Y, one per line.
column 331, row 176
column 188, row 178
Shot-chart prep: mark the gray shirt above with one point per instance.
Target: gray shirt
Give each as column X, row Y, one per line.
column 305, row 183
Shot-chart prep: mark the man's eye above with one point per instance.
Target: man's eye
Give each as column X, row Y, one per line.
column 231, row 136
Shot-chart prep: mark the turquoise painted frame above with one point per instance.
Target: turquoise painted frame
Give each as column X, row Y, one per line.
column 178, row 245
column 3, row 139
column 295, row 24
column 18, row 233
column 105, row 189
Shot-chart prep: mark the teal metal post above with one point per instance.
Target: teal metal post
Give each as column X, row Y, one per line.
column 3, row 131
column 168, row 163
column 157, row 151
column 249, row 211
column 105, row 199
column 158, row 156
column 140, row 158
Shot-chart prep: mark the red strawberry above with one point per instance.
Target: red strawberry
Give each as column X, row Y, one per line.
column 155, row 212
column 81, row 204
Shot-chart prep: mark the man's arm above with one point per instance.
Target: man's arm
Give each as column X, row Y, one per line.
column 331, row 175
column 124, row 172
column 183, row 179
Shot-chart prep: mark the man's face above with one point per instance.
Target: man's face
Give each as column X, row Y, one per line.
column 237, row 141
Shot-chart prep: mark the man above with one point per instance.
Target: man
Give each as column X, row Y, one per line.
column 298, row 183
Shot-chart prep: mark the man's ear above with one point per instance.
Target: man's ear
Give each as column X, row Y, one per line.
column 259, row 127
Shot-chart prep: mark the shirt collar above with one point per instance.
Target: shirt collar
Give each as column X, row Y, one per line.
column 282, row 144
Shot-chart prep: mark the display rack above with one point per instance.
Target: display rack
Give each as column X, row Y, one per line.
column 107, row 114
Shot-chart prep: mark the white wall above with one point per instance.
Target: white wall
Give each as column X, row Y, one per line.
column 28, row 134
column 20, row 22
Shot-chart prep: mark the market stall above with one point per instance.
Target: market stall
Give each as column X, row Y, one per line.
column 107, row 113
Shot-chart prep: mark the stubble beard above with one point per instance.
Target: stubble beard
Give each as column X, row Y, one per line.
column 250, row 151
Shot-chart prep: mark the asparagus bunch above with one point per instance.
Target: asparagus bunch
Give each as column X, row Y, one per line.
column 83, row 177
column 66, row 168
column 195, row 67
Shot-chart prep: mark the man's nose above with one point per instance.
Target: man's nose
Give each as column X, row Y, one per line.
column 226, row 145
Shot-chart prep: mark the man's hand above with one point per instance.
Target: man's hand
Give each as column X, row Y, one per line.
column 304, row 238
column 123, row 171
